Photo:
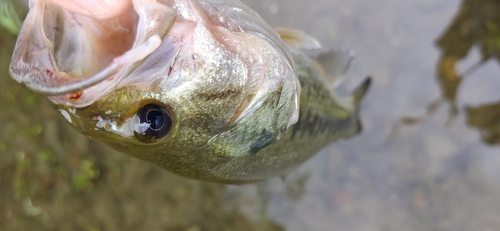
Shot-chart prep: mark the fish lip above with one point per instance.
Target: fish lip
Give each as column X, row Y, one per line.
column 35, row 59
column 42, row 76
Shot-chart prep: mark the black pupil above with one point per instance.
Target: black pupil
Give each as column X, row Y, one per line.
column 156, row 119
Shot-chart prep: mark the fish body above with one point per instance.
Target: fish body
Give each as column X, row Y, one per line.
column 204, row 89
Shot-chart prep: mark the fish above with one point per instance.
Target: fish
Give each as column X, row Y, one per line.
column 204, row 89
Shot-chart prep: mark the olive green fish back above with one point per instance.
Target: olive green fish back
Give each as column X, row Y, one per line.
column 322, row 120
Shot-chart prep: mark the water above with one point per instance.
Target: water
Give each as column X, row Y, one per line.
column 426, row 160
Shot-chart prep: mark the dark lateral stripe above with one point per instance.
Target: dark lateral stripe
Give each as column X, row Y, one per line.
column 227, row 93
column 314, row 125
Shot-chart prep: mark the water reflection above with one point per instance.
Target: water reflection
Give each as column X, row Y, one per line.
column 477, row 24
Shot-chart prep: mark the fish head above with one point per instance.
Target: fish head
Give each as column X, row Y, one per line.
column 177, row 83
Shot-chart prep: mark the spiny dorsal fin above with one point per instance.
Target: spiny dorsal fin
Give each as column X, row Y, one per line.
column 360, row 92
column 352, row 101
column 297, row 38
column 335, row 63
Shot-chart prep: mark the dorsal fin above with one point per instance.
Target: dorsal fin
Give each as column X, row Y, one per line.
column 352, row 101
column 335, row 63
column 297, row 38
column 360, row 92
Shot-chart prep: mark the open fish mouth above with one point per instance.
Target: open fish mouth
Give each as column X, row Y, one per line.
column 59, row 52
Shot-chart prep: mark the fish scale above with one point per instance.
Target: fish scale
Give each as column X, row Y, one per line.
column 205, row 89
column 303, row 140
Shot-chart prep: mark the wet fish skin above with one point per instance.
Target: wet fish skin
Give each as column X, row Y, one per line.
column 229, row 83
column 322, row 121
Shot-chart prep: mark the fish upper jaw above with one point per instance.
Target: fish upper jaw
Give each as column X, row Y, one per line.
column 61, row 53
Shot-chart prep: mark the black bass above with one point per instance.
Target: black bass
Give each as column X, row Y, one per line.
column 205, row 89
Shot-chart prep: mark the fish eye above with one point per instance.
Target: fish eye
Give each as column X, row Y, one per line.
column 158, row 121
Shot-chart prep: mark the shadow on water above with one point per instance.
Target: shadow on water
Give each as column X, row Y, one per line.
column 52, row 178
column 477, row 24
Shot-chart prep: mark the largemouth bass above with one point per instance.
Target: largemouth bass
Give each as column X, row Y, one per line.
column 205, row 89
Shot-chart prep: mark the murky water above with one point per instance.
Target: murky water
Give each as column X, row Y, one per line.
column 427, row 159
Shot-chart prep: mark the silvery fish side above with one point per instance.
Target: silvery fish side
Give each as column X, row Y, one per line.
column 205, row 89
column 323, row 119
